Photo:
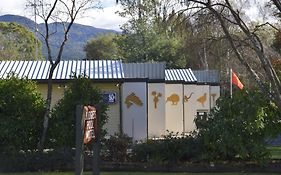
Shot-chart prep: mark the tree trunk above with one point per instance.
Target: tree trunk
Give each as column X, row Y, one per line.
column 48, row 110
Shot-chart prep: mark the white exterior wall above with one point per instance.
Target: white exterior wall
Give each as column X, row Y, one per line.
column 190, row 107
column 214, row 95
column 174, row 107
column 113, row 124
column 156, row 110
column 202, row 97
column 134, row 110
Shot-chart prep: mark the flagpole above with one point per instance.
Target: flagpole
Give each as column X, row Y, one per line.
column 230, row 74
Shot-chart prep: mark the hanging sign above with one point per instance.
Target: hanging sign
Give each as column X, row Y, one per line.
column 91, row 124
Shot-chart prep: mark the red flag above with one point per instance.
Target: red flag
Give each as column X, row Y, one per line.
column 236, row 81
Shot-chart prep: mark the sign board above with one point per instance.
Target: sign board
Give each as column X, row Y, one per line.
column 90, row 120
column 109, row 97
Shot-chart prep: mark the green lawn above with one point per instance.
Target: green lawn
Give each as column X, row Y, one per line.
column 140, row 173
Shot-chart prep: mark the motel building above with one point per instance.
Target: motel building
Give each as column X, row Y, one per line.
column 145, row 99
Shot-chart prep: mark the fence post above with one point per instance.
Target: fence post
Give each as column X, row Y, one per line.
column 97, row 145
column 79, row 158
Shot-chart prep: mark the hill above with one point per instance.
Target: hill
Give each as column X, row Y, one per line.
column 78, row 36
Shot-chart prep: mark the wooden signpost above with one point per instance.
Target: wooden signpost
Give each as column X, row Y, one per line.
column 87, row 132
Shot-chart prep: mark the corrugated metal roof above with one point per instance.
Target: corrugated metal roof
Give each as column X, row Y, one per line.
column 152, row 71
column 185, row 75
column 207, row 76
column 39, row 70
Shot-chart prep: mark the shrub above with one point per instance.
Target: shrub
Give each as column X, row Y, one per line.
column 21, row 114
column 62, row 121
column 116, row 148
column 237, row 127
column 171, row 149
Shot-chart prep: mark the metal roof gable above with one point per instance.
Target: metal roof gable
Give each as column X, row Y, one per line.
column 39, row 70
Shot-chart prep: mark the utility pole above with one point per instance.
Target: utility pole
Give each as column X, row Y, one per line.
column 34, row 5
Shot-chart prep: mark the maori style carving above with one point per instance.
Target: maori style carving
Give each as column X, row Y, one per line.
column 213, row 97
column 174, row 98
column 202, row 99
column 133, row 99
column 156, row 98
column 186, row 98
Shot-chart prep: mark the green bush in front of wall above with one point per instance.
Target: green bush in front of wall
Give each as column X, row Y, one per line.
column 237, row 128
column 62, row 122
column 116, row 148
column 21, row 115
column 173, row 148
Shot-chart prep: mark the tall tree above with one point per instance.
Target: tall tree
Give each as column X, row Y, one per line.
column 65, row 11
column 18, row 43
column 147, row 36
column 247, row 41
column 102, row 47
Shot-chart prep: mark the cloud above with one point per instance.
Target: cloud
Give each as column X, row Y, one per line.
column 103, row 18
column 12, row 7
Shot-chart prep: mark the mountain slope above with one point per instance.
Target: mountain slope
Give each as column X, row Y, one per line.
column 78, row 36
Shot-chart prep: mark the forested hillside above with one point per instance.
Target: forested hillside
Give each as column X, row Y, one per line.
column 78, row 37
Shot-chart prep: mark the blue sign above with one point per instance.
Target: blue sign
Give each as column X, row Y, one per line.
column 109, row 97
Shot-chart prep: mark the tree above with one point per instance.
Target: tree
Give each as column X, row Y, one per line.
column 18, row 43
column 65, row 11
column 21, row 110
column 102, row 47
column 147, row 47
column 147, row 36
column 62, row 123
column 244, row 42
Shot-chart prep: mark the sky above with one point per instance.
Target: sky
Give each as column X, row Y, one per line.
column 100, row 18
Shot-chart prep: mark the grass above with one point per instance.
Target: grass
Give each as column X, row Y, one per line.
column 275, row 152
column 139, row 173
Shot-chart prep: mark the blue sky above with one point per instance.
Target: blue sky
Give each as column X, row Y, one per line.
column 103, row 18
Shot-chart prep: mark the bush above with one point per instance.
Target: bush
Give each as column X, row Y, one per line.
column 62, row 122
column 21, row 114
column 116, row 148
column 52, row 160
column 237, row 127
column 171, row 149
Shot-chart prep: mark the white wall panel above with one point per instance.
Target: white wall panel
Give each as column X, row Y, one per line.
column 174, row 107
column 156, row 109
column 134, row 109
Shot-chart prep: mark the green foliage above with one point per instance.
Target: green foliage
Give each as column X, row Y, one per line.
column 149, row 46
column 18, row 43
column 102, row 47
column 147, row 37
column 116, row 148
column 62, row 121
column 237, row 127
column 21, row 111
column 171, row 149
column 51, row 160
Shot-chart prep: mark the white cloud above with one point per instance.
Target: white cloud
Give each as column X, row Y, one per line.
column 16, row 7
column 103, row 18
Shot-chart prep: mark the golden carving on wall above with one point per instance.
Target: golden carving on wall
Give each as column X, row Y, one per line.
column 213, row 97
column 174, row 99
column 186, row 98
column 156, row 98
column 133, row 99
column 202, row 99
